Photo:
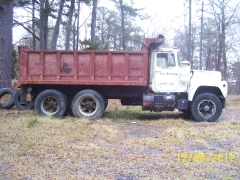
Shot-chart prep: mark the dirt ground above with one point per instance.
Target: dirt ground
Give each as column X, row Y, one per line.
column 125, row 144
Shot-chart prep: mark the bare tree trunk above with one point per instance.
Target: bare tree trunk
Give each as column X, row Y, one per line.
column 225, row 16
column 122, row 25
column 224, row 48
column 78, row 18
column 42, row 24
column 219, row 53
column 208, row 59
column 93, row 24
column 108, row 36
column 74, row 32
column 46, row 14
column 190, row 34
column 57, row 26
column 69, row 25
column 33, row 24
column 6, row 21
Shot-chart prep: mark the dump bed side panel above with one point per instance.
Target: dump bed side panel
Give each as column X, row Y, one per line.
column 82, row 67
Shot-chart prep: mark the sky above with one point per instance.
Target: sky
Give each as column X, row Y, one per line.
column 166, row 15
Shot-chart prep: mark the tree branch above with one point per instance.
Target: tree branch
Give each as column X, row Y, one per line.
column 19, row 41
column 27, row 29
column 232, row 15
column 23, row 22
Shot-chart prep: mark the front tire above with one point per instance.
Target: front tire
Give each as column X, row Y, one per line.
column 51, row 103
column 89, row 104
column 206, row 107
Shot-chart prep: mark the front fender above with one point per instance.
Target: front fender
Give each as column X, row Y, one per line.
column 207, row 84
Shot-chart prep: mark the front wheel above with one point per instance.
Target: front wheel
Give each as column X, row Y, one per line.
column 89, row 104
column 206, row 107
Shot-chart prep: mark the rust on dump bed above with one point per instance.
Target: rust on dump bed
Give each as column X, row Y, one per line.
column 84, row 67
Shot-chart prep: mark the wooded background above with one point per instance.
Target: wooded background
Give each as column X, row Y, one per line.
column 209, row 42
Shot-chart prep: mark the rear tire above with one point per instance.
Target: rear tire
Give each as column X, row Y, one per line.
column 51, row 103
column 29, row 104
column 66, row 101
column 89, row 104
column 106, row 103
column 10, row 103
column 206, row 107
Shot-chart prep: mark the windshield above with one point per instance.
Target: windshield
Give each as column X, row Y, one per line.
column 165, row 60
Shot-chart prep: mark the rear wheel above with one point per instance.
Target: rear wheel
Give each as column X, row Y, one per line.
column 51, row 103
column 206, row 107
column 106, row 103
column 6, row 98
column 66, row 101
column 89, row 104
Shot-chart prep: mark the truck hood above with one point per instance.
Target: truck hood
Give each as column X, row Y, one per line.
column 208, row 78
column 207, row 75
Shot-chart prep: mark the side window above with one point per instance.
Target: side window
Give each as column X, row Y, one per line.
column 171, row 61
column 165, row 60
column 162, row 59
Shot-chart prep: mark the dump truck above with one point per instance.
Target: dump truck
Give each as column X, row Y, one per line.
column 155, row 78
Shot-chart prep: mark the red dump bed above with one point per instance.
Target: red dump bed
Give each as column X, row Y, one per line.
column 82, row 67
column 85, row 67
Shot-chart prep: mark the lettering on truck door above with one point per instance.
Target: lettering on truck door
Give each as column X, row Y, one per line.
column 166, row 72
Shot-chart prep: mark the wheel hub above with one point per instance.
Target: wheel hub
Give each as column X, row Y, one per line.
column 50, row 105
column 88, row 105
column 206, row 108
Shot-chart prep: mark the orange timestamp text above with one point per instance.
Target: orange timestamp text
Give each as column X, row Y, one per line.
column 206, row 157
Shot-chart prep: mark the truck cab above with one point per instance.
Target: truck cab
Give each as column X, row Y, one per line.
column 168, row 73
column 172, row 84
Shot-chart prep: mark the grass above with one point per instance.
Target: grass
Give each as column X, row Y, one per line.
column 126, row 143
column 233, row 102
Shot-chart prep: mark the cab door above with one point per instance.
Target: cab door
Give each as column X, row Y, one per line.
column 166, row 75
